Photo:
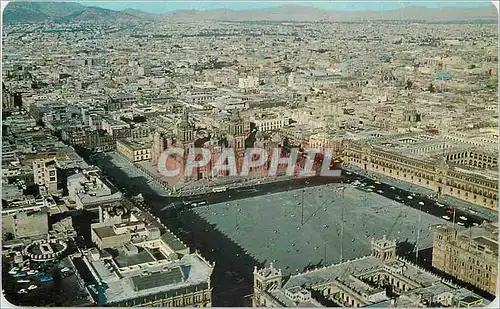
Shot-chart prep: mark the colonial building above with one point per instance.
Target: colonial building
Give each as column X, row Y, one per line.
column 88, row 189
column 469, row 255
column 149, row 266
column 380, row 280
column 134, row 150
column 26, row 223
column 269, row 122
column 249, row 82
column 323, row 141
column 184, row 139
column 449, row 168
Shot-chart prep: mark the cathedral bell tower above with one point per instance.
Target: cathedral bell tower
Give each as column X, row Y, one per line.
column 185, row 140
column 236, row 138
column 159, row 145
column 185, row 131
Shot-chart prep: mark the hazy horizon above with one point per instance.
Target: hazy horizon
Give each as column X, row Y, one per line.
column 165, row 7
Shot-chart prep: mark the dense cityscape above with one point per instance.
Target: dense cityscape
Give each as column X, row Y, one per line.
column 402, row 103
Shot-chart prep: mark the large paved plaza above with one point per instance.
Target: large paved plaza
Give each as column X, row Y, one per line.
column 270, row 226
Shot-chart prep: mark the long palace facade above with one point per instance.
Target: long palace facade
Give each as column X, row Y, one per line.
column 463, row 173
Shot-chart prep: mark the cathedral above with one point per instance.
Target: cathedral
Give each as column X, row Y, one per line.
column 184, row 137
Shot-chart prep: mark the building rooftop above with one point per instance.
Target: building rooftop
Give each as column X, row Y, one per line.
column 348, row 277
column 143, row 256
column 489, row 174
column 190, row 273
column 136, row 144
column 105, row 231
column 175, row 243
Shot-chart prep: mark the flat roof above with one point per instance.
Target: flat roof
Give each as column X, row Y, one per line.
column 173, row 242
column 105, row 231
column 143, row 256
column 269, row 227
column 189, row 274
column 135, row 144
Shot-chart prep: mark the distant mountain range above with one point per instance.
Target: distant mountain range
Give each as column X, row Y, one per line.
column 305, row 13
column 33, row 12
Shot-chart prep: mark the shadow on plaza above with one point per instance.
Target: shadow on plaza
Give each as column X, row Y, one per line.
column 232, row 278
column 233, row 274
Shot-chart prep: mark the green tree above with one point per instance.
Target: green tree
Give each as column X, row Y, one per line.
column 8, row 236
column 492, row 83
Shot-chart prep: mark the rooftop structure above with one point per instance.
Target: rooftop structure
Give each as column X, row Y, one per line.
column 362, row 282
column 148, row 273
column 88, row 189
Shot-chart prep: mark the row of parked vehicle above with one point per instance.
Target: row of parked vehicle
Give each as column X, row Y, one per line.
column 31, row 274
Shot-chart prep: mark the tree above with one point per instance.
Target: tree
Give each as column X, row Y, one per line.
column 409, row 84
column 431, row 88
column 8, row 236
column 492, row 83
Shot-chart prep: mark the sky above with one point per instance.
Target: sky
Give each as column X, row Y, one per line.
column 163, row 7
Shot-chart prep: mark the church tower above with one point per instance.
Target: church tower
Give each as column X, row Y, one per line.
column 184, row 140
column 266, row 279
column 159, row 145
column 236, row 130
column 236, row 138
column 384, row 249
column 185, row 131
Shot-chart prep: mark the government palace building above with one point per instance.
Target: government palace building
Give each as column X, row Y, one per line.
column 380, row 280
column 461, row 166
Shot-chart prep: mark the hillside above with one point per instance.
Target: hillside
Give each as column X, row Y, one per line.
column 33, row 12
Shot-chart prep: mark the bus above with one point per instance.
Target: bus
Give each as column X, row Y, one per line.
column 220, row 189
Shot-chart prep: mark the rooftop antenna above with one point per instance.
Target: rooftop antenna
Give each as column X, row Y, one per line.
column 454, row 214
column 325, row 255
column 418, row 233
column 444, row 138
column 302, row 204
column 470, row 236
column 341, row 189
